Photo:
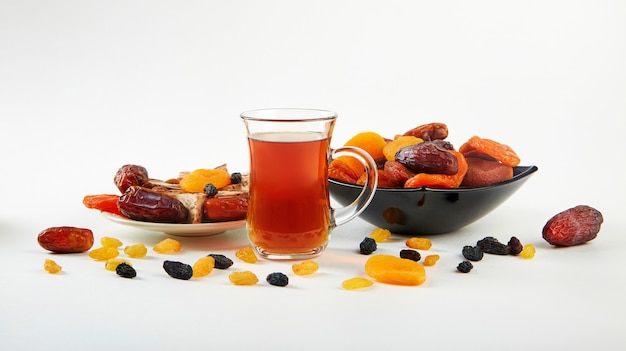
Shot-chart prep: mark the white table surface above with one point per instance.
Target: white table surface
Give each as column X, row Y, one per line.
column 86, row 87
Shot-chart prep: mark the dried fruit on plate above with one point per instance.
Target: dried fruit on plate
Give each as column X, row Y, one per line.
column 103, row 202
column 574, row 226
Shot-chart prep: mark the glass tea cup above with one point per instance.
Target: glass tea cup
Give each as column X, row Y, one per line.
column 289, row 211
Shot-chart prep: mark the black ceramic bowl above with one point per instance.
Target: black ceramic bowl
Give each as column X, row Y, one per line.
column 426, row 211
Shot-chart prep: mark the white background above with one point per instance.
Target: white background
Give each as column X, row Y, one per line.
column 88, row 86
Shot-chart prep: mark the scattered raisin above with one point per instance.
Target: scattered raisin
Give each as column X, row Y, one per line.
column 465, row 267
column 112, row 263
column 419, row 243
column 356, row 283
column 380, row 234
column 51, row 267
column 277, row 279
column 167, row 246
column 472, row 253
column 210, row 190
column 491, row 245
column 528, row 251
column 412, row 255
column 367, row 246
column 430, row 260
column 178, row 270
column 515, row 246
column 246, row 254
column 307, row 267
column 125, row 270
column 221, row 261
column 243, row 278
column 235, row 178
column 573, row 226
column 136, row 251
column 110, row 242
column 203, row 266
column 104, row 253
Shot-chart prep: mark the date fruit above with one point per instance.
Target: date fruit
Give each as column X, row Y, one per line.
column 143, row 204
column 573, row 226
column 129, row 175
column 222, row 209
column 428, row 157
column 66, row 239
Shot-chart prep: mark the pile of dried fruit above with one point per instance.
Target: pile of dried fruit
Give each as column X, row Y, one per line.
column 422, row 157
column 204, row 195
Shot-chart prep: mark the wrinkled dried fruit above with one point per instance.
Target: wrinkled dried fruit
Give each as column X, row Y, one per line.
column 107, row 241
column 380, row 234
column 397, row 173
column 465, row 267
column 103, row 202
column 574, row 226
column 136, row 250
column 341, row 171
column 307, row 267
column 491, row 245
column 440, row 180
column 481, row 172
column 104, row 253
column 130, row 175
column 277, row 279
column 428, row 157
column 203, row 266
column 492, row 148
column 243, row 278
column 515, row 245
column 419, row 243
column 410, row 255
column 167, row 246
column 367, row 246
column 395, row 270
column 223, row 209
column 178, row 270
column 125, row 271
column 472, row 253
column 528, row 251
column 392, row 147
column 370, row 142
column 356, row 283
column 430, row 260
column 195, row 181
column 51, row 266
column 66, row 239
column 112, row 263
column 246, row 254
column 430, row 131
column 143, row 204
column 221, row 261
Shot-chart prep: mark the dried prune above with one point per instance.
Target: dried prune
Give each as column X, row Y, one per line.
column 125, row 270
column 412, row 255
column 428, row 157
column 66, row 239
column 491, row 245
column 367, row 246
column 178, row 270
column 131, row 175
column 143, row 204
column 277, row 279
column 515, row 245
column 472, row 253
column 573, row 226
column 221, row 261
column 464, row 267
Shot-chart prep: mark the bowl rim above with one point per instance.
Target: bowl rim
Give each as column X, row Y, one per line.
column 522, row 172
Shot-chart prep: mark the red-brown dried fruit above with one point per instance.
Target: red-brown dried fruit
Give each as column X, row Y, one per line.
column 442, row 181
column 397, row 173
column 129, row 175
column 574, row 226
column 428, row 157
column 66, row 239
column 143, row 204
column 482, row 172
column 492, row 148
column 222, row 209
column 430, row 131
column 103, row 202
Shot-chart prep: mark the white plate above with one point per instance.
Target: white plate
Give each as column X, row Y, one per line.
column 200, row 229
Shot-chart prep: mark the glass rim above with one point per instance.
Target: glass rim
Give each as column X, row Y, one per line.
column 288, row 114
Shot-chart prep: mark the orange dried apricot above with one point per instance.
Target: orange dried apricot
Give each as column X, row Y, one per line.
column 440, row 180
column 492, row 148
column 339, row 170
column 395, row 270
column 392, row 147
column 371, row 142
column 195, row 181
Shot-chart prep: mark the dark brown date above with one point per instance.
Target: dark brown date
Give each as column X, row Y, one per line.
column 145, row 205
column 430, row 131
column 129, row 175
column 428, row 157
column 222, row 209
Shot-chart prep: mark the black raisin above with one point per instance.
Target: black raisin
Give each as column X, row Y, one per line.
column 515, row 246
column 472, row 253
column 277, row 279
column 465, row 267
column 412, row 255
column 178, row 270
column 367, row 246
column 210, row 190
column 221, row 261
column 125, row 270
column 235, row 178
column 491, row 245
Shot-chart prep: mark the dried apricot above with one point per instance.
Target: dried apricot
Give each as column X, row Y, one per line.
column 246, row 254
column 356, row 283
column 243, row 278
column 492, row 148
column 391, row 148
column 307, row 267
column 371, row 142
column 167, row 246
column 430, row 131
column 203, row 266
column 419, row 243
column 395, row 270
column 103, row 202
column 51, row 266
column 341, row 171
column 195, row 181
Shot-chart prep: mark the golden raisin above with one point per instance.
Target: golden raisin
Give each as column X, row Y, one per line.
column 195, row 181
column 419, row 243
column 246, row 254
column 243, row 278
column 392, row 147
column 136, row 251
column 167, row 246
column 104, row 253
column 203, row 266
column 107, row 241
column 528, row 251
column 395, row 270
column 307, row 267
column 112, row 263
column 356, row 283
column 380, row 234
column 51, row 267
column 430, row 260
